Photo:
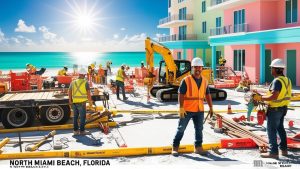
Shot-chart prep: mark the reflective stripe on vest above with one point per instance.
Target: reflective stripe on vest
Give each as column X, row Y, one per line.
column 285, row 94
column 79, row 93
column 194, row 97
column 119, row 76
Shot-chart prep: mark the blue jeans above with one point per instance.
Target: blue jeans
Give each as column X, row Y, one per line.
column 275, row 117
column 120, row 85
column 79, row 109
column 198, row 125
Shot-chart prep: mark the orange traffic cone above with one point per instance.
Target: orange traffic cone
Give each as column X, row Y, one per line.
column 229, row 111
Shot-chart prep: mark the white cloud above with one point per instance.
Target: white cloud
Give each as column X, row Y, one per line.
column 139, row 37
column 123, row 29
column 2, row 38
column 22, row 27
column 49, row 36
column 46, row 34
column 116, row 36
column 16, row 40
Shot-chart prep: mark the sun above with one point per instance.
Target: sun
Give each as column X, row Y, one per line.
column 85, row 23
column 84, row 17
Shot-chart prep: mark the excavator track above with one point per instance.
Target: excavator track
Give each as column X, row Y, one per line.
column 155, row 88
column 170, row 93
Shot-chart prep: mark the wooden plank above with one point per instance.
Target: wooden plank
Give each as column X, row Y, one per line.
column 39, row 95
column 50, row 95
column 18, row 96
column 6, row 97
column 44, row 96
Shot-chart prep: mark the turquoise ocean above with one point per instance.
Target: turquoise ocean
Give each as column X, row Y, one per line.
column 54, row 60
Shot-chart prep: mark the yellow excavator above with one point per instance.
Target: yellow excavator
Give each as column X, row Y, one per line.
column 171, row 72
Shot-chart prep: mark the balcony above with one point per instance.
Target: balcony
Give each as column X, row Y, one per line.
column 177, row 37
column 175, row 20
column 229, row 29
column 226, row 4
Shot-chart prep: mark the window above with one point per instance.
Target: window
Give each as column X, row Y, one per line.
column 239, row 60
column 178, row 55
column 291, row 11
column 203, row 6
column 182, row 32
column 169, row 3
column 239, row 21
column 218, row 25
column 182, row 13
column 203, row 27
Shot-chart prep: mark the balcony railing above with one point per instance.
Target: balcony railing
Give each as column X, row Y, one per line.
column 177, row 37
column 217, row 2
column 176, row 18
column 229, row 29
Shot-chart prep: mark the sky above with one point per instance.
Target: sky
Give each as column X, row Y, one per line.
column 79, row 25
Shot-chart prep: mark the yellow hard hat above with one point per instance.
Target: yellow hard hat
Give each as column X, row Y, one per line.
column 100, row 65
column 93, row 65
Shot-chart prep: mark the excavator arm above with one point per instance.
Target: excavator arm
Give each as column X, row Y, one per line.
column 152, row 47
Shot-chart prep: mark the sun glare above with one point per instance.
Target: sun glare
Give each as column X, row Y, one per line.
column 85, row 18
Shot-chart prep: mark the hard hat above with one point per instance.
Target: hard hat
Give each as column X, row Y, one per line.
column 197, row 62
column 123, row 65
column 82, row 71
column 100, row 65
column 277, row 63
column 27, row 64
column 93, row 65
column 65, row 67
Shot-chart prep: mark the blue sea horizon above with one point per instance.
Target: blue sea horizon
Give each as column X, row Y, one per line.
column 56, row 60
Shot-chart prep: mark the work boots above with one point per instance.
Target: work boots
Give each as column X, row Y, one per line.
column 175, row 151
column 284, row 153
column 200, row 151
column 269, row 155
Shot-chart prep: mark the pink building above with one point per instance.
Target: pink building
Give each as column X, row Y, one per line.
column 256, row 32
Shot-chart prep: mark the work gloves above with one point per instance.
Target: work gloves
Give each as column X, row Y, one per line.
column 182, row 112
column 257, row 97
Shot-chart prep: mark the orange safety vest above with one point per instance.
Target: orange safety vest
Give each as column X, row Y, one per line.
column 194, row 97
column 101, row 72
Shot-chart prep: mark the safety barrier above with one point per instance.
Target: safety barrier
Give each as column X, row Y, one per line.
column 233, row 143
column 170, row 111
column 119, row 152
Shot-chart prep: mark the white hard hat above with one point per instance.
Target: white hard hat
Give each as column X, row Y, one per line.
column 197, row 62
column 82, row 71
column 277, row 63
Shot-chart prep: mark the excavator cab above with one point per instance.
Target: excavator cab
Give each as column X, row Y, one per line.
column 183, row 67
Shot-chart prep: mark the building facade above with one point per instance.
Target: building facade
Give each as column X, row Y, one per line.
column 249, row 33
column 257, row 31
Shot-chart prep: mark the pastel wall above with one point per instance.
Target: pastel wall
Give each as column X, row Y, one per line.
column 251, row 59
column 281, row 15
column 252, row 15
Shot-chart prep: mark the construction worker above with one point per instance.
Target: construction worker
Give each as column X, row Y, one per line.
column 142, row 65
column 63, row 72
column 101, row 74
column 278, row 98
column 31, row 69
column 108, row 67
column 222, row 61
column 120, row 82
column 79, row 94
column 192, row 91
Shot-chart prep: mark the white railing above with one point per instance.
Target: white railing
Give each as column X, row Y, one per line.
column 177, row 37
column 229, row 29
column 176, row 18
column 217, row 2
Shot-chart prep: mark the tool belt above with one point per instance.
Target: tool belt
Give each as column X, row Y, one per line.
column 282, row 109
